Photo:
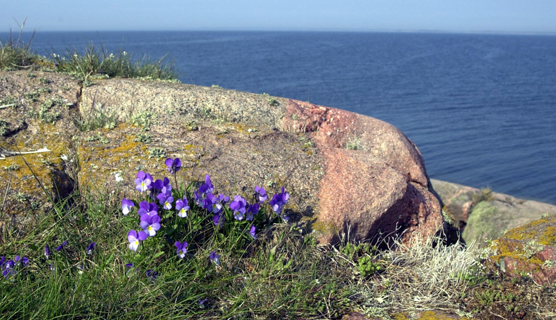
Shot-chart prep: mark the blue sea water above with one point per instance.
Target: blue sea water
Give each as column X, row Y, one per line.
column 481, row 108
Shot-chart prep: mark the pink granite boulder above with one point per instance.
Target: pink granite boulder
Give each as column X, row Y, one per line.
column 375, row 183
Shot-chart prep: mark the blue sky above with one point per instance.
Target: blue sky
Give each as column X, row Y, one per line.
column 497, row 16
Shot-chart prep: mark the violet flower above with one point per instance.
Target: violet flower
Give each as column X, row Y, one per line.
column 151, row 274
column 215, row 258
column 260, row 194
column 149, row 208
column 144, row 181
column 47, row 252
column 217, row 219
column 8, row 268
column 166, row 200
column 126, row 206
column 90, row 248
column 163, row 185
column 173, row 165
column 223, row 199
column 207, row 187
column 150, row 224
column 182, row 205
column 212, row 203
column 252, row 232
column 278, row 201
column 134, row 237
column 239, row 206
column 252, row 210
column 60, row 247
column 182, row 248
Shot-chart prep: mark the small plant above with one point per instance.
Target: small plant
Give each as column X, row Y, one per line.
column 4, row 127
column 143, row 137
column 12, row 167
column 45, row 114
column 21, row 197
column 32, row 96
column 97, row 119
column 192, row 126
column 156, row 153
column 484, row 195
column 271, row 101
column 143, row 119
column 354, row 144
column 367, row 266
column 98, row 137
column 8, row 102
column 31, row 75
column 44, row 80
column 45, row 90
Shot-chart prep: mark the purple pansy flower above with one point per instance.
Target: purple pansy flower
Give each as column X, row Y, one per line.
column 252, row 232
column 278, row 201
column 212, row 203
column 150, row 224
column 173, row 165
column 252, row 210
column 90, row 248
column 144, row 181
column 207, row 187
column 215, row 258
column 166, row 200
column 198, row 198
column 134, row 237
column 163, row 185
column 217, row 219
column 239, row 206
column 223, row 199
column 149, row 208
column 260, row 194
column 182, row 248
column 47, row 252
column 182, row 205
column 151, row 274
column 8, row 268
column 24, row 261
column 60, row 247
column 126, row 206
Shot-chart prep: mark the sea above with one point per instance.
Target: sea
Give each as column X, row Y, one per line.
column 481, row 108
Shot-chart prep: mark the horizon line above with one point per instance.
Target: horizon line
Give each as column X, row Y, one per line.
column 416, row 31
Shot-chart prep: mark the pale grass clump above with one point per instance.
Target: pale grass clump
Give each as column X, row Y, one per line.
column 422, row 275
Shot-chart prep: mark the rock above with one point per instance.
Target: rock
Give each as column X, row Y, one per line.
column 483, row 215
column 43, row 106
column 527, row 250
column 345, row 172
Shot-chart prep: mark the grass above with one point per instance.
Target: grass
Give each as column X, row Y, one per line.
column 90, row 64
column 283, row 274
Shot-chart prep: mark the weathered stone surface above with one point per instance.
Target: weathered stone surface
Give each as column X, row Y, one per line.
column 489, row 218
column 43, row 106
column 344, row 171
column 528, row 250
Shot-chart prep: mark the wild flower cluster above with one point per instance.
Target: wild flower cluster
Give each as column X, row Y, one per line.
column 180, row 216
column 169, row 219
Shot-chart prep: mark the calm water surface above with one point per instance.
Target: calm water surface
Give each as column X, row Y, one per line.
column 481, row 108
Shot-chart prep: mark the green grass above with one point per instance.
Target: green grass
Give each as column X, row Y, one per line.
column 87, row 65
column 282, row 274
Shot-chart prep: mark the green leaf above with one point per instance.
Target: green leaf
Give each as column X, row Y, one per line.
column 158, row 254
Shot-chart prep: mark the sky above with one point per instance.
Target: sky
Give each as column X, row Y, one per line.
column 467, row 16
